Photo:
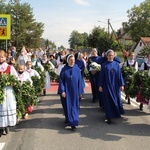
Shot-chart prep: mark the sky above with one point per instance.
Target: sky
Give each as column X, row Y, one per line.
column 61, row 17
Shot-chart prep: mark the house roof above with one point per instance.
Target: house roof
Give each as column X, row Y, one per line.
column 124, row 35
column 145, row 40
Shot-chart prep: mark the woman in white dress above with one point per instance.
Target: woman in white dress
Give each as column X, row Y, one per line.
column 47, row 77
column 8, row 107
column 60, row 61
column 30, row 71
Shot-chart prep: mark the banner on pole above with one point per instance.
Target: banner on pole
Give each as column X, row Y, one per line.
column 5, row 26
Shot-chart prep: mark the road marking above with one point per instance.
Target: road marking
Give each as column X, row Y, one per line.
column 1, row 145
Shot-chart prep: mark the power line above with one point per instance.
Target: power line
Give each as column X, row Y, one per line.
column 120, row 20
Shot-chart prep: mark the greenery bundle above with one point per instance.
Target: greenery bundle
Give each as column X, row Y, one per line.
column 142, row 81
column 41, row 82
column 6, row 80
column 128, row 75
column 53, row 75
column 25, row 93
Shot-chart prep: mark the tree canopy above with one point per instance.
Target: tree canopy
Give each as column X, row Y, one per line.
column 138, row 24
column 78, row 40
column 25, row 30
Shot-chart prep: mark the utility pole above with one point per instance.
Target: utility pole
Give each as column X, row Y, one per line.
column 108, row 25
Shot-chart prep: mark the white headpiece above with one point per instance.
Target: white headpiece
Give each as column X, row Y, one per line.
column 110, row 50
column 70, row 55
column 95, row 50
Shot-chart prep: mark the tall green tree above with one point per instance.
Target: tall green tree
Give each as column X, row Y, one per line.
column 3, row 6
column 49, row 44
column 138, row 24
column 24, row 29
column 78, row 40
column 100, row 39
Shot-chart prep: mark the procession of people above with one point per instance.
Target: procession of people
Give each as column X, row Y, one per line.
column 105, row 76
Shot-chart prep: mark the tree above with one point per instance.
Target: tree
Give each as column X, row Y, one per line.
column 145, row 51
column 138, row 24
column 99, row 38
column 49, row 44
column 24, row 29
column 3, row 6
column 78, row 40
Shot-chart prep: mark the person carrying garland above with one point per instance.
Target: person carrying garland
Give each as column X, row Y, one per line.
column 144, row 66
column 130, row 63
column 8, row 107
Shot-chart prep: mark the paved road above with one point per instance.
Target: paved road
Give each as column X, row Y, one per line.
column 45, row 128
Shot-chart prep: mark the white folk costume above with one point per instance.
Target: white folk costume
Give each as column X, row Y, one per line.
column 145, row 65
column 8, row 107
column 24, row 77
column 60, row 63
column 22, row 59
column 37, row 64
column 32, row 72
column 47, row 77
column 132, row 63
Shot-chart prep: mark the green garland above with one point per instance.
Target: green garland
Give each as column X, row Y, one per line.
column 25, row 93
column 142, row 81
column 128, row 75
column 41, row 82
column 6, row 80
column 135, row 81
column 53, row 75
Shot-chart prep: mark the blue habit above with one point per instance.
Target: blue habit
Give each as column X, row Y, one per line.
column 94, row 79
column 81, row 66
column 70, row 82
column 110, row 79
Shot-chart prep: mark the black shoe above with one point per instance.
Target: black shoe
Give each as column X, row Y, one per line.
column 73, row 128
column 108, row 121
column 141, row 106
column 129, row 100
column 44, row 92
column 1, row 131
column 7, row 130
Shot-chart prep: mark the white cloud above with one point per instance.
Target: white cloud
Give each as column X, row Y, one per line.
column 82, row 2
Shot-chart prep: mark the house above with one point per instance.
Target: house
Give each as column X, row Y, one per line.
column 143, row 41
column 124, row 38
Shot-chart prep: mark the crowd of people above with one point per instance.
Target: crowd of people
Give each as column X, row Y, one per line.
column 107, row 82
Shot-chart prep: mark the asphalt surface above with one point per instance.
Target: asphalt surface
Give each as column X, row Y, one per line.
column 45, row 128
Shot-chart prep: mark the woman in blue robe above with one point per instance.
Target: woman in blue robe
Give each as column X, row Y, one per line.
column 94, row 77
column 110, row 84
column 80, row 63
column 70, row 90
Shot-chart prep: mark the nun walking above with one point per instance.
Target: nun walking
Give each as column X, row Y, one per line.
column 111, row 84
column 70, row 90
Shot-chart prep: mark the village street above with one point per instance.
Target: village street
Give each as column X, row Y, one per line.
column 45, row 128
